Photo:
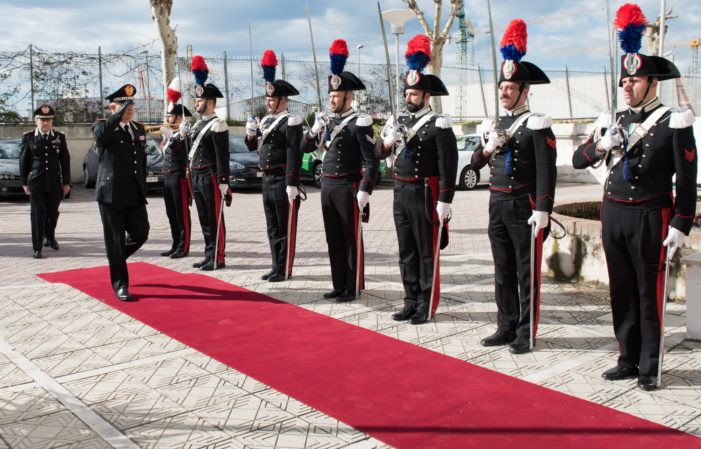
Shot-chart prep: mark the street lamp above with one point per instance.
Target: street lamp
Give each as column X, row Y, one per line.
column 359, row 46
column 397, row 17
column 148, row 85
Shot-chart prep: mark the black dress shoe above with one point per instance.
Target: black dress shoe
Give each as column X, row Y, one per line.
column 276, row 277
column 209, row 266
column 267, row 275
column 178, row 255
column 53, row 244
column 420, row 316
column 123, row 294
column 37, row 254
column 332, row 294
column 520, row 346
column 406, row 312
column 345, row 296
column 200, row 264
column 647, row 383
column 168, row 253
column 620, row 373
column 500, row 337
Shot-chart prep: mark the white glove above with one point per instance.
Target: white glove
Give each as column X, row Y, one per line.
column 251, row 127
column 674, row 241
column 541, row 220
column 363, row 199
column 292, row 193
column 494, row 140
column 611, row 140
column 393, row 135
column 167, row 133
column 223, row 188
column 184, row 128
column 443, row 210
column 319, row 123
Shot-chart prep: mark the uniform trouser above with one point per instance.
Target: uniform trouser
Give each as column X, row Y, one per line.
column 635, row 257
column 176, row 196
column 412, row 212
column 340, row 211
column 276, row 206
column 510, row 238
column 208, row 200
column 43, row 211
column 116, row 221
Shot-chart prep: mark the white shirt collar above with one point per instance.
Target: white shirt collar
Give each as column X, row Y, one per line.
column 37, row 132
column 207, row 117
column 518, row 111
column 649, row 106
column 421, row 112
column 345, row 114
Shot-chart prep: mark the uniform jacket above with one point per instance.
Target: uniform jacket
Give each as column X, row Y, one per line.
column 121, row 173
column 280, row 149
column 212, row 152
column 532, row 152
column 351, row 154
column 433, row 151
column 44, row 165
column 175, row 156
column 669, row 148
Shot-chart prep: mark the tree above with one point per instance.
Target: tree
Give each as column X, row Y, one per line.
column 160, row 10
column 437, row 35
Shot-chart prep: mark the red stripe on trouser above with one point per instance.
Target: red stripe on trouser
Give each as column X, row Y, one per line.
column 360, row 263
column 222, row 232
column 292, row 237
column 184, row 189
column 436, row 290
column 536, row 286
column 666, row 217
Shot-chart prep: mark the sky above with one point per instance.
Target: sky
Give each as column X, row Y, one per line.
column 559, row 33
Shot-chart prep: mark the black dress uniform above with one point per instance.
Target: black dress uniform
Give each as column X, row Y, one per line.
column 120, row 189
column 350, row 164
column 209, row 167
column 522, row 180
column 176, row 190
column 44, row 169
column 637, row 208
column 280, row 159
column 425, row 171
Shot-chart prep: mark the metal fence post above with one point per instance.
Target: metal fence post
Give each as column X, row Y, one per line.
column 31, row 76
column 99, row 74
column 148, row 90
column 226, row 87
column 484, row 100
column 567, row 86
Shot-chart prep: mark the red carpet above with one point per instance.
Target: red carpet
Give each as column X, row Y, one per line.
column 399, row 393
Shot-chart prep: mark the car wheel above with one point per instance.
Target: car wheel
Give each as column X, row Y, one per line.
column 317, row 174
column 469, row 178
column 88, row 183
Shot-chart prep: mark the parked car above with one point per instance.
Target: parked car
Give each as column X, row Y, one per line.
column 311, row 168
column 10, row 183
column 468, row 177
column 154, row 165
column 243, row 165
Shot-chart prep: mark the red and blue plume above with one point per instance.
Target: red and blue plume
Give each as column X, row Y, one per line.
column 173, row 91
column 418, row 52
column 199, row 69
column 513, row 43
column 268, row 62
column 338, row 54
column 631, row 23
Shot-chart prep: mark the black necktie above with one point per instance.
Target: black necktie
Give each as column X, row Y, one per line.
column 126, row 130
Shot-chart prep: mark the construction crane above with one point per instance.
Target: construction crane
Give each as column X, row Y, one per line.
column 465, row 39
column 694, row 45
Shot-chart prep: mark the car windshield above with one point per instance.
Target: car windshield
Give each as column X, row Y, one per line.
column 468, row 143
column 9, row 149
column 236, row 145
column 152, row 147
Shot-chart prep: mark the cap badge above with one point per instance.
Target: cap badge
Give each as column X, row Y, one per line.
column 335, row 82
column 45, row 109
column 269, row 88
column 632, row 62
column 129, row 90
column 508, row 69
column 199, row 90
column 413, row 77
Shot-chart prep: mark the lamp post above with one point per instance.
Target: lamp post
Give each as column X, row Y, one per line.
column 359, row 46
column 148, row 86
column 397, row 17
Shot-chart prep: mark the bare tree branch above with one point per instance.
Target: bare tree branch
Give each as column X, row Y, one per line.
column 419, row 15
column 437, row 19
column 454, row 5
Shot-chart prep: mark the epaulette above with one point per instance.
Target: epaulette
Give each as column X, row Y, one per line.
column 681, row 119
column 444, row 121
column 294, row 120
column 539, row 121
column 28, row 132
column 59, row 132
column 219, row 125
column 485, row 126
column 363, row 120
column 138, row 123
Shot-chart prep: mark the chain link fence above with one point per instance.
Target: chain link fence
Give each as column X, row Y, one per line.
column 76, row 84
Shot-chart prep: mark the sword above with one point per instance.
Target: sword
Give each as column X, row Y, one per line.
column 436, row 257
column 288, row 271
column 664, row 311
column 532, row 291
column 388, row 66
column 216, row 240
column 358, row 250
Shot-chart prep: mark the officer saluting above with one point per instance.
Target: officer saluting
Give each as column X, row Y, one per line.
column 120, row 189
column 45, row 171
column 646, row 148
column 280, row 155
column 349, row 169
column 424, row 185
column 521, row 151
column 209, row 166
column 176, row 185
